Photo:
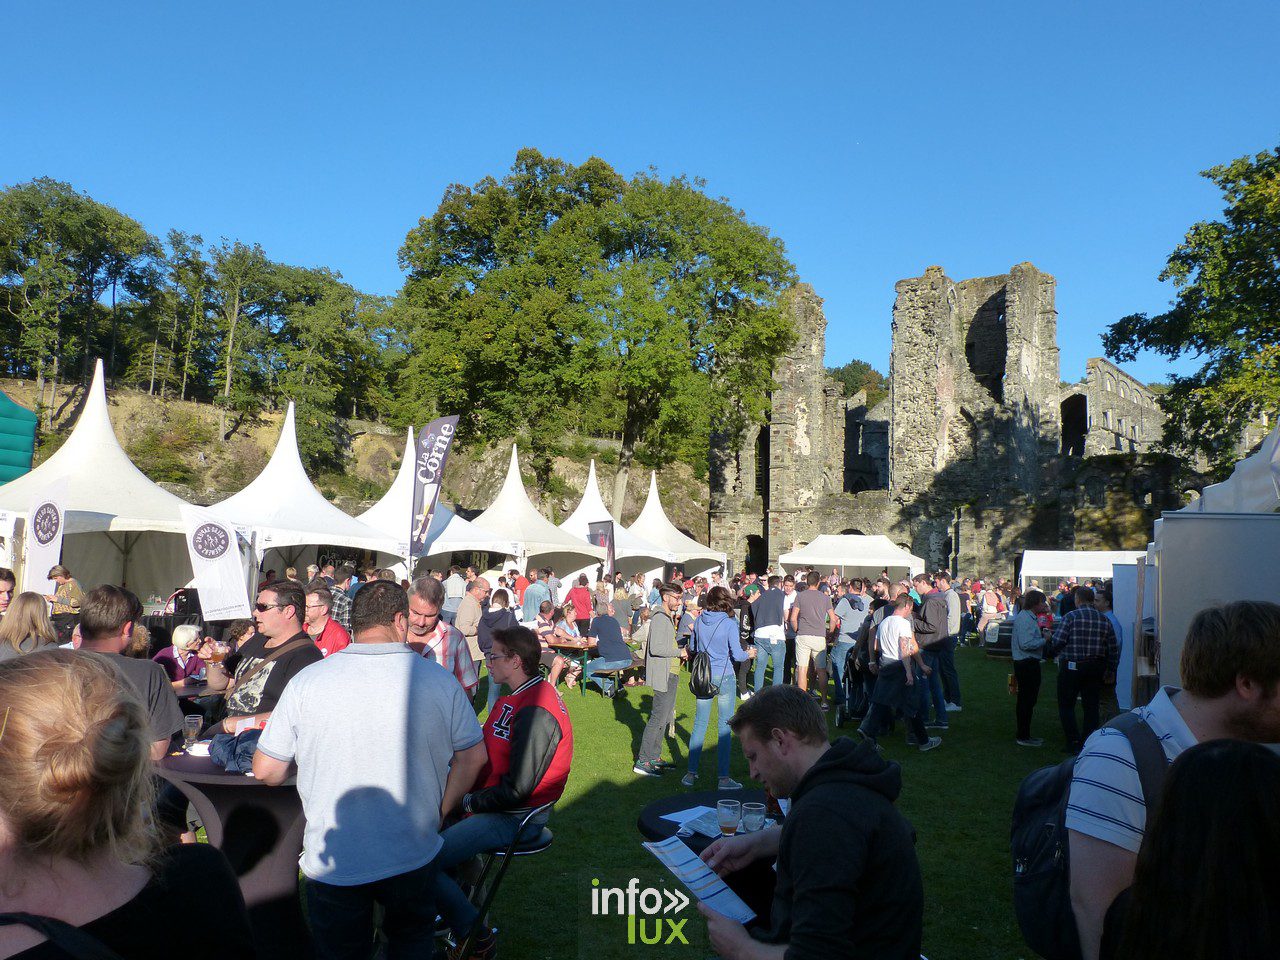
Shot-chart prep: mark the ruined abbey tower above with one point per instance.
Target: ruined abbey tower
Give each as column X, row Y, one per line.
column 976, row 454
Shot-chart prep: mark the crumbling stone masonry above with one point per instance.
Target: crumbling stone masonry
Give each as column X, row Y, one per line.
column 971, row 459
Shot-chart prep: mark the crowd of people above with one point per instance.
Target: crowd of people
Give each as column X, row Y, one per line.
column 308, row 687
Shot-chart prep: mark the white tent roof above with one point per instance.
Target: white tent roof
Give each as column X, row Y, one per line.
column 513, row 515
column 1253, row 487
column 448, row 531
column 286, row 509
column 105, row 491
column 653, row 526
column 591, row 509
column 854, row 551
column 1073, row 563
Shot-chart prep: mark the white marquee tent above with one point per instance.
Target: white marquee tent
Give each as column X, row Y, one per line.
column 652, row 525
column 513, row 515
column 120, row 527
column 1045, row 565
column 289, row 515
column 855, row 555
column 448, row 533
column 632, row 553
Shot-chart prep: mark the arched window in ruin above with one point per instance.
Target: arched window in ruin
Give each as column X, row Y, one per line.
column 1111, row 383
column 762, row 463
column 986, row 345
column 1106, row 419
column 1122, row 390
column 1075, row 424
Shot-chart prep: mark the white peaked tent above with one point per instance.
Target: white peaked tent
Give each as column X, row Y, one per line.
column 855, row 555
column 288, row 513
column 448, row 533
column 513, row 515
column 632, row 553
column 652, row 525
column 1253, row 487
column 120, row 527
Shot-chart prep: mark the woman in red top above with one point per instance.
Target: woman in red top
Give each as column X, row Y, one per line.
column 581, row 600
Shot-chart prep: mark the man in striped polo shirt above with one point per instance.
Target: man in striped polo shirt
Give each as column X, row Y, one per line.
column 1230, row 673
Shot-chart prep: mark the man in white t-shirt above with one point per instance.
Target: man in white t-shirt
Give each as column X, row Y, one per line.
column 894, row 689
column 1230, row 689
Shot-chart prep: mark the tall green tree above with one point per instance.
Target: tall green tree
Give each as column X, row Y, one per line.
column 241, row 290
column 859, row 375
column 686, row 310
column 1226, row 313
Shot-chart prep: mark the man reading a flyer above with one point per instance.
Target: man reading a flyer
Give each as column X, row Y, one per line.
column 848, row 883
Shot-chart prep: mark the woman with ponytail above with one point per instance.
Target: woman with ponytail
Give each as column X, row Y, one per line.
column 81, row 873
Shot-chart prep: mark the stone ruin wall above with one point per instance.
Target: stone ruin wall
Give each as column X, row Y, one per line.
column 963, row 462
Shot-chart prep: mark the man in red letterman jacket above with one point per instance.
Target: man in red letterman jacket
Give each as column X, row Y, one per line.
column 529, row 740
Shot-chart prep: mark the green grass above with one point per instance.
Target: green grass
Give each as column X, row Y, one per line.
column 959, row 798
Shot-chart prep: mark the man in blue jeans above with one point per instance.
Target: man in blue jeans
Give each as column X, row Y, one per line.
column 947, row 655
column 770, row 635
column 929, row 623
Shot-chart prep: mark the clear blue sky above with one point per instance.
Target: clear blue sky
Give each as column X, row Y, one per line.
column 874, row 138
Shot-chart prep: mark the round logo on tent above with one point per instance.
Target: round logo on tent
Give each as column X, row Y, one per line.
column 210, row 541
column 45, row 523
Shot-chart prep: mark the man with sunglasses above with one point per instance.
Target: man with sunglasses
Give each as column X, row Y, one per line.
column 267, row 661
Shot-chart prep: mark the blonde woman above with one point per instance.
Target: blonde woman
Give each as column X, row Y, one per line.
column 78, row 849
column 180, row 660
column 26, row 627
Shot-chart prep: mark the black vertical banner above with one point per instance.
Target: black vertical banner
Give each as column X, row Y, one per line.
column 600, row 533
column 430, row 453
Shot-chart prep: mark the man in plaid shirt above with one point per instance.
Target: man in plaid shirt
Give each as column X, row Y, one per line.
column 341, row 609
column 1088, row 653
column 435, row 639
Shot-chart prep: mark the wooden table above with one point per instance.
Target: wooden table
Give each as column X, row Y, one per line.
column 259, row 829
column 580, row 647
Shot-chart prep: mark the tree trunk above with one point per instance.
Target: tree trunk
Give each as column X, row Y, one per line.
column 155, row 345
column 233, row 319
column 111, row 353
column 625, row 456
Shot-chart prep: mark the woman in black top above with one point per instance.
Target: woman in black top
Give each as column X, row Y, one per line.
column 78, row 851
column 1205, row 884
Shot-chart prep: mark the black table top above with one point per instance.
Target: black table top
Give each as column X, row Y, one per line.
column 653, row 827
column 192, row 769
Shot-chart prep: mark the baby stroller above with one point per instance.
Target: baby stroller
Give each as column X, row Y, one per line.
column 853, row 686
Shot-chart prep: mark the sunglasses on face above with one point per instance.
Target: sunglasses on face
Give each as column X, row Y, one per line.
column 264, row 607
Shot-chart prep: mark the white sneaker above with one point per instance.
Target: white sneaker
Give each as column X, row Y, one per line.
column 745, row 696
column 688, row 780
column 954, row 708
column 933, row 742
column 728, row 783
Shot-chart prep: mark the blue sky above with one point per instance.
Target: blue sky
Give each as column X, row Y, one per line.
column 874, row 138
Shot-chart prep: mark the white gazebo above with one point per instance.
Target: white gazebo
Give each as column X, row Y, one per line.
column 120, row 527
column 448, row 533
column 855, row 555
column 289, row 516
column 512, row 515
column 1044, row 565
column 654, row 526
column 1253, row 487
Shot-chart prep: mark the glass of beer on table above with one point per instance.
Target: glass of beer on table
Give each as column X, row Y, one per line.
column 728, row 814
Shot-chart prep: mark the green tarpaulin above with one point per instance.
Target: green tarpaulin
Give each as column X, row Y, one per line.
column 17, row 439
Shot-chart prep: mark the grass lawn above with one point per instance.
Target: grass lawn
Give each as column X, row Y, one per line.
column 959, row 798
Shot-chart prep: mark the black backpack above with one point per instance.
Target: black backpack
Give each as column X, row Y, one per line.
column 1041, row 871
column 700, row 683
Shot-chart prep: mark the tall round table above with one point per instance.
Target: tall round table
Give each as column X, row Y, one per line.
column 259, row 829
column 753, row 883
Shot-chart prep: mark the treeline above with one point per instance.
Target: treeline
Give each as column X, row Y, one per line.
column 560, row 299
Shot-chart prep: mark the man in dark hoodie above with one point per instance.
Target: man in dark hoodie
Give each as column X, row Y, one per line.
column 848, row 880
